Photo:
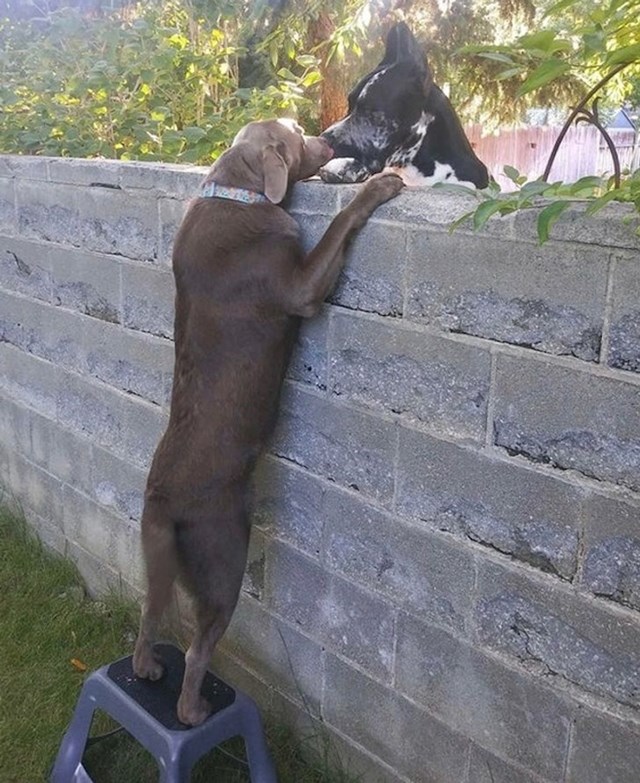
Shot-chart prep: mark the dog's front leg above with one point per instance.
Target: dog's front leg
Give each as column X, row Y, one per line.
column 319, row 272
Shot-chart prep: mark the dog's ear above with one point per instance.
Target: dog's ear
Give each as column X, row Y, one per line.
column 276, row 174
column 401, row 46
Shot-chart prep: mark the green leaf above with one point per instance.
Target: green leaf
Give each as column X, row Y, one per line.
column 543, row 74
column 597, row 205
column 512, row 173
column 485, row 211
column 306, row 60
column 548, row 217
column 313, row 77
column 530, row 189
column 628, row 54
column 497, row 56
column 462, row 219
column 509, row 73
column 586, row 183
column 285, row 73
column 459, row 189
column 543, row 41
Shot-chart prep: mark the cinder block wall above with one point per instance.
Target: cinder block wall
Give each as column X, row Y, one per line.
column 445, row 564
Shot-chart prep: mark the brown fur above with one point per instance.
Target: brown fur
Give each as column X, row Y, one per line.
column 242, row 284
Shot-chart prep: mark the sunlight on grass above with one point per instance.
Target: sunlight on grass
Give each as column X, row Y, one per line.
column 50, row 631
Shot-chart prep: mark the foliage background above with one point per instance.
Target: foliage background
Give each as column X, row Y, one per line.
column 175, row 80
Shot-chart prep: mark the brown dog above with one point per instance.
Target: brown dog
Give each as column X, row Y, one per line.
column 242, row 283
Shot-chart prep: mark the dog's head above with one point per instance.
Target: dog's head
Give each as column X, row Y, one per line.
column 269, row 156
column 398, row 117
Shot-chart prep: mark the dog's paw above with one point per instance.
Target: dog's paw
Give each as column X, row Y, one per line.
column 343, row 171
column 147, row 666
column 384, row 186
column 193, row 713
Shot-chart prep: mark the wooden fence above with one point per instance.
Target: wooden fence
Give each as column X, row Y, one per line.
column 583, row 151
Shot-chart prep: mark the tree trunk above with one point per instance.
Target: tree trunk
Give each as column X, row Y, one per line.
column 333, row 98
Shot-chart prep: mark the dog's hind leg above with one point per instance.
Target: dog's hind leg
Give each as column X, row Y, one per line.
column 193, row 708
column 212, row 552
column 159, row 547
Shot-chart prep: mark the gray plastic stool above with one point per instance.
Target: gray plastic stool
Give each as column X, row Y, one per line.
column 147, row 710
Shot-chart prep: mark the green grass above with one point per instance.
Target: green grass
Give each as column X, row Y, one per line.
column 46, row 622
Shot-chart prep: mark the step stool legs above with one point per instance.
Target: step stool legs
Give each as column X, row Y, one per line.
column 260, row 761
column 68, row 762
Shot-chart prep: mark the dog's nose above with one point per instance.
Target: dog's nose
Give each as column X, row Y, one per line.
column 328, row 148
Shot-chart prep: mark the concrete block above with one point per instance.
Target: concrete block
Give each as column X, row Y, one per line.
column 109, row 538
column 145, row 425
column 98, row 577
column 61, row 453
column 136, row 363
column 548, row 298
column 526, row 515
column 419, row 205
column 309, row 360
column 117, row 485
column 373, row 277
column 313, row 197
column 25, row 166
column 422, row 572
column 612, row 550
column 161, row 179
column 409, row 740
column 508, row 712
column 357, row 763
column 31, row 381
column 346, row 446
column 290, row 662
column 553, row 631
column 15, row 426
column 484, row 767
column 86, row 282
column 604, row 750
column 42, row 330
column 88, row 173
column 50, row 535
column 429, row 381
column 254, row 575
column 92, row 410
column 148, row 299
column 613, row 226
column 25, row 268
column 35, row 490
column 171, row 213
column 8, row 221
column 98, row 219
column 288, row 502
column 338, row 614
column 597, row 434
column 624, row 329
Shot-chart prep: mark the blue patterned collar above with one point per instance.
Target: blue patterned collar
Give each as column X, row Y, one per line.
column 213, row 190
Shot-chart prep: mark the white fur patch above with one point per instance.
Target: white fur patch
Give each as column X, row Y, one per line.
column 443, row 172
column 403, row 157
column 371, row 82
column 346, row 170
column 338, row 166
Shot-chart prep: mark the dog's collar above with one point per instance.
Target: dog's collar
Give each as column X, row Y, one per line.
column 213, row 190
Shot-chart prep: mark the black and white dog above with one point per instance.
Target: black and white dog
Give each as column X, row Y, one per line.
column 399, row 118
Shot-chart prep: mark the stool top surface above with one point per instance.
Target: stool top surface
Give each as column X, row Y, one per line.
column 160, row 698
